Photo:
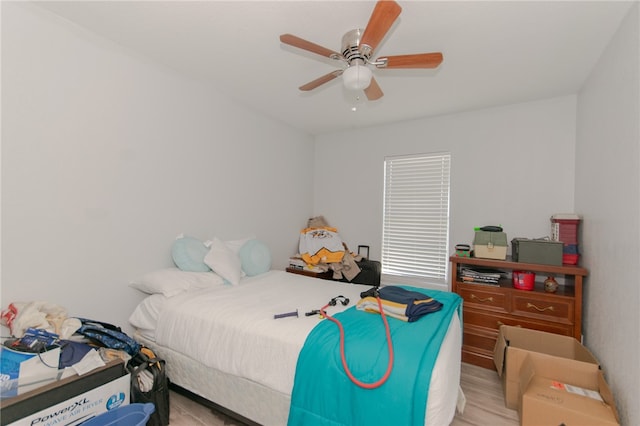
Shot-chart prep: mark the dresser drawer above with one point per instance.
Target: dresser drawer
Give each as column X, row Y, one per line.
column 473, row 318
column 543, row 307
column 478, row 339
column 484, row 297
column 475, row 357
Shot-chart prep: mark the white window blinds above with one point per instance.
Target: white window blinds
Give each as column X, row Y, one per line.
column 416, row 217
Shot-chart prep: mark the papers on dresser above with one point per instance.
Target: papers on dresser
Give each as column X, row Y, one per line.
column 298, row 263
column 481, row 275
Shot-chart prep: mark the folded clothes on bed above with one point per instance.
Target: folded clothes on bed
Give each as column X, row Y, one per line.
column 397, row 302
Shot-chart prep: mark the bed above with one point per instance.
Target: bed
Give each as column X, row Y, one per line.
column 222, row 343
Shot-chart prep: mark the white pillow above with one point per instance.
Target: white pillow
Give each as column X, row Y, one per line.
column 224, row 261
column 147, row 313
column 173, row 281
column 236, row 245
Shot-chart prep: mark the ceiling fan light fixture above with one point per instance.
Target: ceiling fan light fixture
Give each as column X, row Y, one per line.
column 358, row 46
column 357, row 77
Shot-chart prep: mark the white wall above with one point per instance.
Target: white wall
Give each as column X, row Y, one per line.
column 511, row 165
column 608, row 195
column 106, row 157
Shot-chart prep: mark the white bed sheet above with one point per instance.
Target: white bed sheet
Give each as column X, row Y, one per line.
column 145, row 316
column 240, row 320
column 264, row 350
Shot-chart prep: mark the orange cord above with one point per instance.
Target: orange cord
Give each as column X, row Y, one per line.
column 342, row 352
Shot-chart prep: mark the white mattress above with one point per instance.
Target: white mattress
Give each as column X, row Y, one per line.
column 232, row 330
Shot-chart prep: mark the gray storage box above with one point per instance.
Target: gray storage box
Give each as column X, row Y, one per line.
column 536, row 251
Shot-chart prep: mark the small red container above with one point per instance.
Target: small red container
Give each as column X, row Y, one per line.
column 524, row 280
column 570, row 259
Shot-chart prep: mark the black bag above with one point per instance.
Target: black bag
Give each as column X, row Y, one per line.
column 158, row 392
column 370, row 272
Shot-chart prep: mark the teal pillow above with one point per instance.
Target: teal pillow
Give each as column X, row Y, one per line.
column 255, row 257
column 188, row 254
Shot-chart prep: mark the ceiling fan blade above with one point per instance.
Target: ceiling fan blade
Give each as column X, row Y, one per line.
column 418, row 60
column 382, row 18
column 373, row 92
column 307, row 45
column 319, row 81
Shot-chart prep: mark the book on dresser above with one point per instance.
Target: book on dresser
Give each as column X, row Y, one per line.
column 480, row 275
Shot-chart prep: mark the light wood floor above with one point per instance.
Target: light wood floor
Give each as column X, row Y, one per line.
column 481, row 387
column 485, row 399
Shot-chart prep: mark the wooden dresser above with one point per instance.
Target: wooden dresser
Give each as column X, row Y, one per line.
column 487, row 307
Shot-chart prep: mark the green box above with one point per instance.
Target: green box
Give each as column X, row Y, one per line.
column 543, row 252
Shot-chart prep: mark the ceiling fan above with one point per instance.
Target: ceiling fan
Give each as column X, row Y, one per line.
column 357, row 48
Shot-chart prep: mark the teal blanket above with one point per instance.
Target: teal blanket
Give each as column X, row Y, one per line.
column 324, row 395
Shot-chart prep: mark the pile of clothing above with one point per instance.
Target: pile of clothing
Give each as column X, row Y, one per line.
column 321, row 246
column 19, row 316
column 399, row 303
column 39, row 326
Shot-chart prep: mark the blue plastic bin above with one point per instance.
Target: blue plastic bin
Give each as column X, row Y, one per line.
column 127, row 415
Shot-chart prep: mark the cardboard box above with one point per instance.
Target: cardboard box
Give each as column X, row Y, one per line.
column 536, row 251
column 564, row 392
column 70, row 400
column 490, row 245
column 515, row 343
column 22, row 371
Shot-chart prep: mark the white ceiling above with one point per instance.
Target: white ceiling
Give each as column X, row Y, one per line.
column 495, row 52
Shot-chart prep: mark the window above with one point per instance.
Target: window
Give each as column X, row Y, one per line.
column 415, row 234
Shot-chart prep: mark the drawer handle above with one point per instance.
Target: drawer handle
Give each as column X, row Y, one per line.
column 480, row 299
column 500, row 323
column 548, row 308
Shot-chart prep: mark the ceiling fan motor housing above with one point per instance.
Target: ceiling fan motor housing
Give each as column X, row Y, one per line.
column 350, row 48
